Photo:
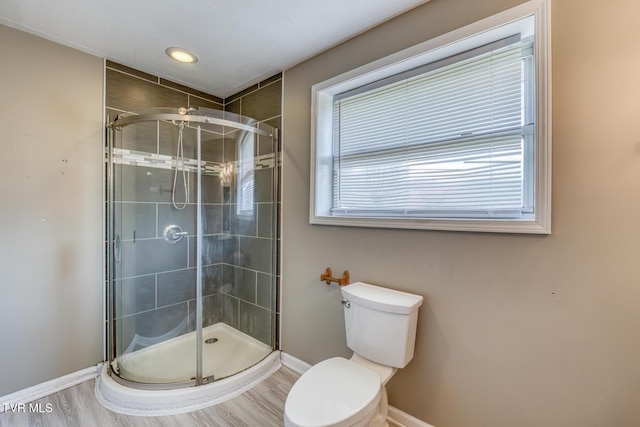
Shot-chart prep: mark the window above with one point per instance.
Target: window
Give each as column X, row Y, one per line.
column 246, row 179
column 452, row 137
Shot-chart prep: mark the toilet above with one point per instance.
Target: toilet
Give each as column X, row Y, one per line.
column 380, row 326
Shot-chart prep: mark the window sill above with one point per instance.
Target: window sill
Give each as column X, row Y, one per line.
column 481, row 226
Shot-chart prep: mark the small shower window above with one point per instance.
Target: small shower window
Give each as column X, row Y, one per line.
column 246, row 174
column 452, row 138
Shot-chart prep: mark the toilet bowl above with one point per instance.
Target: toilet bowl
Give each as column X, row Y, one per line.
column 380, row 327
column 336, row 392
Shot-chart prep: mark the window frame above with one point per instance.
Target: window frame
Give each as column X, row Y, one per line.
column 482, row 32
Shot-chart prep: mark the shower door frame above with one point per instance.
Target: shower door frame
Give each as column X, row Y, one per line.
column 116, row 125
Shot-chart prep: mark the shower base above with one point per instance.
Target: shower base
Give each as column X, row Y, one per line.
column 236, row 361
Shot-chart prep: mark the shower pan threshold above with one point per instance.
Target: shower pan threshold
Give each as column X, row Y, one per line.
column 131, row 401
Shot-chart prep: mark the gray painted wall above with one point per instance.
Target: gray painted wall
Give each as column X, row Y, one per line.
column 516, row 330
column 50, row 210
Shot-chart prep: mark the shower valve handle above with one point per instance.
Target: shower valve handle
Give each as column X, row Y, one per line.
column 173, row 234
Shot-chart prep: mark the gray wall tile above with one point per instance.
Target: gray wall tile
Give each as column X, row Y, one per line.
column 230, row 306
column 176, row 286
column 197, row 102
column 268, row 144
column 231, row 253
column 128, row 70
column 211, row 144
column 233, row 107
column 124, row 92
column 212, row 250
column 184, row 218
column 153, row 324
column 139, row 137
column 212, row 147
column 142, row 184
column 212, row 279
column 150, row 256
column 135, row 220
column 256, row 253
column 270, row 80
column 168, row 137
column 265, row 219
column 211, row 310
column 264, row 286
column 256, row 322
column 191, row 91
column 264, row 103
column 230, row 148
column 240, row 283
column 211, row 189
column 135, row 295
column 212, row 219
column 241, row 93
column 263, row 185
column 244, row 225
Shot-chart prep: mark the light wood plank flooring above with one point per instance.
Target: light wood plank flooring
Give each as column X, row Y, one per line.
column 262, row 406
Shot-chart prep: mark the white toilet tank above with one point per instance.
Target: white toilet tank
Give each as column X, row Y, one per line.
column 381, row 323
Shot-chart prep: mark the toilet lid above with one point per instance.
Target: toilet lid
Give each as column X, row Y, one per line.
column 334, row 392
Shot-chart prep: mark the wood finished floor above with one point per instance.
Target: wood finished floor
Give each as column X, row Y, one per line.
column 262, row 406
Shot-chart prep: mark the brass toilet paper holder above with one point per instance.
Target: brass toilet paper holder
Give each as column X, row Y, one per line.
column 327, row 277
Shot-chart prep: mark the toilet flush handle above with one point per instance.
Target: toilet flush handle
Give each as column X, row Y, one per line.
column 346, row 303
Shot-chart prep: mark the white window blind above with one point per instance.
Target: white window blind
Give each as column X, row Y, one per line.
column 450, row 139
column 246, row 175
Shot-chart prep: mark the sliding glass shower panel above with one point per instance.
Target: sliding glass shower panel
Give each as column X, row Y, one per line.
column 155, row 280
column 192, row 216
column 237, row 310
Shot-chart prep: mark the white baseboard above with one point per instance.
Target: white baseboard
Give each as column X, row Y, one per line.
column 294, row 363
column 399, row 418
column 44, row 389
column 396, row 417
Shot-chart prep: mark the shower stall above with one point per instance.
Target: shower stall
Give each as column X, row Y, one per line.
column 191, row 253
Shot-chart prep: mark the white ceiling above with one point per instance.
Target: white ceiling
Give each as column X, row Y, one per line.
column 238, row 42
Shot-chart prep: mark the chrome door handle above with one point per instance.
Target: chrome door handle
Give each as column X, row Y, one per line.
column 116, row 248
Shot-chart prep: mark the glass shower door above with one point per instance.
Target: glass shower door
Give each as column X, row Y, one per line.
column 192, row 261
column 154, row 271
column 238, row 301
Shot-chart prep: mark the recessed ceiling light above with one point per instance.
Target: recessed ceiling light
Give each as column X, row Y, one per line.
column 182, row 55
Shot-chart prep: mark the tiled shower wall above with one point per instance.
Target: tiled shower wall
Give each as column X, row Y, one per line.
column 157, row 293
column 263, row 102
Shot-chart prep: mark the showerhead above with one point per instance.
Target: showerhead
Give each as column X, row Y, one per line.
column 183, row 111
column 187, row 111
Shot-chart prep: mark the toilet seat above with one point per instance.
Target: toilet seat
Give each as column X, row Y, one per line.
column 336, row 392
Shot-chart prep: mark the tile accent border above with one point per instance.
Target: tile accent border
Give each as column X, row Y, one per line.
column 396, row 417
column 124, row 156
column 44, row 389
